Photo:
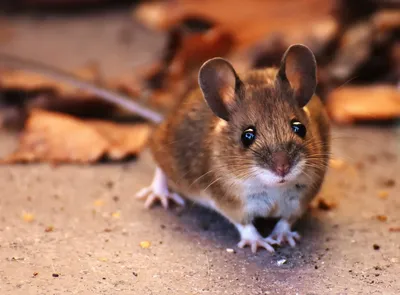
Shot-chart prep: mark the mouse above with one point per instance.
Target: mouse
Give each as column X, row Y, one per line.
column 246, row 145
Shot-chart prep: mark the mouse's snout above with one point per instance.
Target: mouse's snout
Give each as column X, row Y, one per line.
column 280, row 163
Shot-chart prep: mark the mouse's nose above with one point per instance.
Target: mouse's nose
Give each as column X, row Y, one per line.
column 281, row 163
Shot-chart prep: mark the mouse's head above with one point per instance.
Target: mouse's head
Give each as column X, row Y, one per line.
column 263, row 131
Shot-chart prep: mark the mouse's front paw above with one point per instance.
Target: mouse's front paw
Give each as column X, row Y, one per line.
column 282, row 233
column 152, row 196
column 254, row 244
column 249, row 236
column 158, row 191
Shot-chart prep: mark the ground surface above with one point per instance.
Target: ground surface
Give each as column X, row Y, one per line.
column 98, row 225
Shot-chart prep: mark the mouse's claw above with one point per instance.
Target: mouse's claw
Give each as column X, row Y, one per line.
column 255, row 244
column 158, row 191
column 249, row 236
column 282, row 233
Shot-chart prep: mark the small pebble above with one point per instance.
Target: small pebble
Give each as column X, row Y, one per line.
column 281, row 262
column 49, row 229
column 389, row 183
column 376, row 247
column 55, row 275
column 229, row 250
column 382, row 218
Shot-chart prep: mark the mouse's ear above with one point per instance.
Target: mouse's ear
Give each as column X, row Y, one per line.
column 299, row 68
column 219, row 82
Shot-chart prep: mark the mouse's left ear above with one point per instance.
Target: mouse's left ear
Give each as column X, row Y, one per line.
column 299, row 68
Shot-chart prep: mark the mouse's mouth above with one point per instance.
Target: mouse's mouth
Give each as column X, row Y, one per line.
column 270, row 178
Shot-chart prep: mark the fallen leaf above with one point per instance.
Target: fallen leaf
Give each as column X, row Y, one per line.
column 250, row 20
column 353, row 103
column 52, row 137
column 58, row 138
column 123, row 140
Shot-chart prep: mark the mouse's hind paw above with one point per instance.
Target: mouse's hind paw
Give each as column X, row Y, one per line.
column 158, row 191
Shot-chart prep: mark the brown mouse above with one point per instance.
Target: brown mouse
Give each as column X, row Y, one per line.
column 246, row 146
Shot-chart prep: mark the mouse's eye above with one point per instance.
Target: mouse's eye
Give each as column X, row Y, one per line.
column 248, row 136
column 298, row 128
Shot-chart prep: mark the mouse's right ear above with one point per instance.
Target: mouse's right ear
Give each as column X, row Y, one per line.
column 219, row 83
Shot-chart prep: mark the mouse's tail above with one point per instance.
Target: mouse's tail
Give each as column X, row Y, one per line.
column 121, row 100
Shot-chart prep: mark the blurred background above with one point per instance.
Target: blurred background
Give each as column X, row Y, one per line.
column 151, row 51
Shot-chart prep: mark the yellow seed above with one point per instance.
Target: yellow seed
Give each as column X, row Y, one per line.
column 116, row 214
column 145, row 244
column 99, row 203
column 383, row 194
column 28, row 217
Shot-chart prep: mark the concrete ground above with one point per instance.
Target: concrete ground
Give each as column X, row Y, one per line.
column 87, row 227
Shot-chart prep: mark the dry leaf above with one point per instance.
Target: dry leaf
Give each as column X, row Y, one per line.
column 123, row 140
column 59, row 138
column 249, row 20
column 352, row 103
column 52, row 137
